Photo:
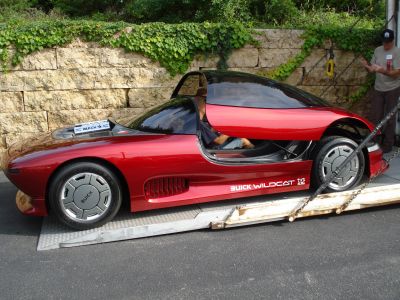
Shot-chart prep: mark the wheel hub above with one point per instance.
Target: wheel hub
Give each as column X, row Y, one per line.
column 333, row 159
column 85, row 197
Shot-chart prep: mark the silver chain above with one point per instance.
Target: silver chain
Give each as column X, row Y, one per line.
column 321, row 188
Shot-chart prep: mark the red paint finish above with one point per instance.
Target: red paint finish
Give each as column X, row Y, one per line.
column 376, row 164
column 276, row 124
column 142, row 158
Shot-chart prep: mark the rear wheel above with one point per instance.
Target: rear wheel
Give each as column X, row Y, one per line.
column 85, row 195
column 330, row 154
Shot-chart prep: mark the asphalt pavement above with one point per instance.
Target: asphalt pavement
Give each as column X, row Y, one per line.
column 351, row 256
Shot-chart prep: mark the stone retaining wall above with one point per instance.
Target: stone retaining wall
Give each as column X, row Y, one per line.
column 82, row 82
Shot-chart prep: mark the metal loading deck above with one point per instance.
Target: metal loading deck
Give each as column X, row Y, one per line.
column 384, row 191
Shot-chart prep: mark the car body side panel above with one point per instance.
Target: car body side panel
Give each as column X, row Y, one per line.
column 208, row 181
column 275, row 124
column 141, row 158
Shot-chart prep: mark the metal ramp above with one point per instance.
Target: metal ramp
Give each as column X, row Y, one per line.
column 232, row 213
column 126, row 225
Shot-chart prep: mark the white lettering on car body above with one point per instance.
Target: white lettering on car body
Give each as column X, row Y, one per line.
column 239, row 188
column 267, row 185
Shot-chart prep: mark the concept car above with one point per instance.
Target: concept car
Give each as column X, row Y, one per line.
column 83, row 173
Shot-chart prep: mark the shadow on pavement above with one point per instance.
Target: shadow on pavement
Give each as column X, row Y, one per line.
column 12, row 222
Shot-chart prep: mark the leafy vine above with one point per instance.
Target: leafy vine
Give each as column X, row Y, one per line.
column 173, row 45
column 361, row 41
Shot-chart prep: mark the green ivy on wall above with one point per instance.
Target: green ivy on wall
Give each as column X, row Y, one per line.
column 358, row 40
column 361, row 41
column 173, row 45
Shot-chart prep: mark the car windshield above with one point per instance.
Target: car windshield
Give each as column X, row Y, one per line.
column 177, row 116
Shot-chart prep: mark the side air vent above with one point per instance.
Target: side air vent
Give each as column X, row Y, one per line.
column 164, row 187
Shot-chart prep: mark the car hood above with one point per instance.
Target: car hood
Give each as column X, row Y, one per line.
column 63, row 137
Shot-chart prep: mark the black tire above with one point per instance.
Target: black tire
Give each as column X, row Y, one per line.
column 330, row 152
column 85, row 195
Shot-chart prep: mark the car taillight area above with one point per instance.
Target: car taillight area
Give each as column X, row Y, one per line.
column 165, row 187
column 377, row 164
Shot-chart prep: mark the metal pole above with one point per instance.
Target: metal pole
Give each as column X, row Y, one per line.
column 397, row 23
column 390, row 11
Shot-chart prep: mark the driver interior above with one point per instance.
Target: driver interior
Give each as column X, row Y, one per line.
column 259, row 151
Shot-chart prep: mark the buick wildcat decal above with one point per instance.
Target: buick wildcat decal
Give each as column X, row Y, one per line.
column 267, row 185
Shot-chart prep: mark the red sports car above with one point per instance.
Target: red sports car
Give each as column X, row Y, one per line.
column 223, row 135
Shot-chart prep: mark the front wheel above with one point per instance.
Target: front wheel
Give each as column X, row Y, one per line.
column 85, row 195
column 331, row 153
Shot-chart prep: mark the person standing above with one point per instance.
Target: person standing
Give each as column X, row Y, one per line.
column 386, row 64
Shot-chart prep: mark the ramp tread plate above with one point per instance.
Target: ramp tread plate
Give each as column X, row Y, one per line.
column 54, row 233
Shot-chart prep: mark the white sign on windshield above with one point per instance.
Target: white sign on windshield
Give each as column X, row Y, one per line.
column 91, row 126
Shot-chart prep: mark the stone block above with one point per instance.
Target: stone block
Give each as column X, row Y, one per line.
column 316, row 59
column 74, row 58
column 86, row 78
column 351, row 76
column 279, row 38
column 160, row 77
column 272, row 58
column 148, row 97
column 345, row 58
column 119, row 58
column 74, row 99
column 12, row 81
column 63, row 118
column 127, row 114
column 3, row 141
column 2, row 158
column 59, row 80
column 54, row 80
column 336, row 95
column 296, row 77
column 23, row 122
column 11, row 102
column 41, row 60
column 31, row 80
column 317, row 76
column 343, row 76
column 133, row 78
column 319, row 57
column 204, row 61
column 243, row 58
column 14, row 137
